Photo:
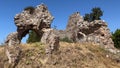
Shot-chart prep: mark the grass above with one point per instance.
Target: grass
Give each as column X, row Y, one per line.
column 70, row 55
column 66, row 39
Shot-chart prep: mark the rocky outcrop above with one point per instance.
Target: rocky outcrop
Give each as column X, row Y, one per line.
column 81, row 31
column 51, row 40
column 37, row 19
column 12, row 49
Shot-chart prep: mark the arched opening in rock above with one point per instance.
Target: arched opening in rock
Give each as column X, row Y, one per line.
column 30, row 36
column 24, row 39
column 37, row 22
column 33, row 37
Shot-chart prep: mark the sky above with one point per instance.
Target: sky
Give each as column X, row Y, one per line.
column 60, row 9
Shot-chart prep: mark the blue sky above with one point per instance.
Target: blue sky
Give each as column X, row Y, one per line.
column 60, row 9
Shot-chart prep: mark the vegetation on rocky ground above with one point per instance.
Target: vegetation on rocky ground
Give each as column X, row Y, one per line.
column 33, row 37
column 69, row 55
column 66, row 39
column 116, row 38
column 94, row 15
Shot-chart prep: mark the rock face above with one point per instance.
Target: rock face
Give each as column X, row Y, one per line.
column 79, row 30
column 37, row 19
column 51, row 40
column 12, row 50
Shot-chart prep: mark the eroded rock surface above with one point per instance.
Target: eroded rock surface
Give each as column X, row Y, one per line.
column 35, row 19
column 81, row 31
column 39, row 20
column 12, row 49
column 51, row 40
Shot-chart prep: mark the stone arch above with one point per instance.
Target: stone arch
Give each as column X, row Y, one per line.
column 39, row 21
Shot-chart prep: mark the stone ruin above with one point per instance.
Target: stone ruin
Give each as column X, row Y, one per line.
column 78, row 30
column 37, row 19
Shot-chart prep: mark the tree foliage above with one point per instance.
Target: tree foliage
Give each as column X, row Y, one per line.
column 87, row 17
column 116, row 38
column 94, row 15
column 33, row 37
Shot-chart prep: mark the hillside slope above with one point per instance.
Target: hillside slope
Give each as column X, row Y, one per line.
column 70, row 55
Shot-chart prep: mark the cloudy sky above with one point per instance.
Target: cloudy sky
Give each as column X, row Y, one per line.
column 60, row 9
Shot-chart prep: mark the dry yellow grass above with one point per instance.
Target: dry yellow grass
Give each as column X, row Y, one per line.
column 69, row 55
column 1, row 49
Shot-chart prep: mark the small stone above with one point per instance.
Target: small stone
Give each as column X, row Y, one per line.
column 107, row 56
column 33, row 57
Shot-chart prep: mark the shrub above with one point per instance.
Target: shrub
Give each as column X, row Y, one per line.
column 66, row 39
column 30, row 9
column 33, row 37
column 116, row 38
column 94, row 15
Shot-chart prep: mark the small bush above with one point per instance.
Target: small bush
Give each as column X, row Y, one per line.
column 30, row 9
column 94, row 15
column 116, row 38
column 66, row 39
column 33, row 37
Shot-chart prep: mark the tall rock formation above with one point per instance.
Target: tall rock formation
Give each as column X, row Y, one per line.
column 79, row 30
column 37, row 19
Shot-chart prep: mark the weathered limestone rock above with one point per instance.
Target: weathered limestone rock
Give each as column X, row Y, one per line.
column 12, row 49
column 79, row 30
column 51, row 40
column 35, row 19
